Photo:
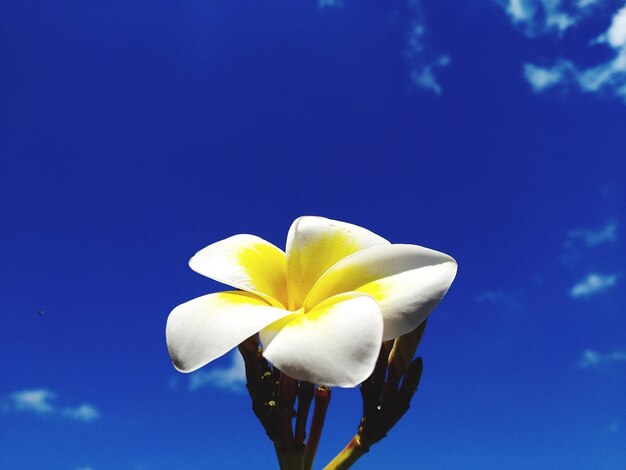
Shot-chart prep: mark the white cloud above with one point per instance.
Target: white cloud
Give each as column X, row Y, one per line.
column 538, row 17
column 593, row 238
column 593, row 284
column 423, row 61
column 541, row 78
column 590, row 358
column 425, row 76
column 616, row 34
column 232, row 378
column 608, row 76
column 34, row 401
column 560, row 21
column 43, row 401
column 520, row 10
column 499, row 299
column 587, row 3
column 579, row 241
column 85, row 412
column 611, row 74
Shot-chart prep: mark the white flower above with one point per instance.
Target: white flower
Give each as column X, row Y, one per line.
column 322, row 308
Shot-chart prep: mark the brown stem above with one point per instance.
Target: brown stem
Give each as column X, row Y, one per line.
column 305, row 397
column 286, row 398
column 289, row 460
column 322, row 399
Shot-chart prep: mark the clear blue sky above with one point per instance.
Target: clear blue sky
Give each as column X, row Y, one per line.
column 135, row 133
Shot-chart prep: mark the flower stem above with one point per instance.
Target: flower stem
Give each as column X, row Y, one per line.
column 322, row 398
column 305, row 397
column 290, row 459
column 348, row 456
column 386, row 394
column 286, row 397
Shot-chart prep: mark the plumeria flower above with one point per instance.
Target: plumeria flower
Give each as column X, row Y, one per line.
column 321, row 308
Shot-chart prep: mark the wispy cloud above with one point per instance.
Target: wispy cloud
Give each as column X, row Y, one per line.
column 85, row 412
column 172, row 383
column 607, row 76
column 593, row 284
column 329, row 3
column 520, row 11
column 425, row 75
column 232, row 378
column 424, row 62
column 578, row 242
column 42, row 401
column 500, row 299
column 593, row 238
column 616, row 34
column 614, row 426
column 538, row 17
column 588, row 3
column 542, row 78
column 590, row 358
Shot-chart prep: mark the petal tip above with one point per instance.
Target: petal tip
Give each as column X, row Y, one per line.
column 179, row 365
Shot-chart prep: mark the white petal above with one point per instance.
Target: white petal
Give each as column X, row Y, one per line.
column 208, row 327
column 314, row 244
column 335, row 344
column 248, row 263
column 408, row 281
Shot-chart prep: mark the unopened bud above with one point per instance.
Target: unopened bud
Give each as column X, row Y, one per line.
column 404, row 348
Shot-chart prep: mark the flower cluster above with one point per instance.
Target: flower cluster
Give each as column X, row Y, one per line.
column 321, row 308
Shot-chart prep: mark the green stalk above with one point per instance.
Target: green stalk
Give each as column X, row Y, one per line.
column 348, row 456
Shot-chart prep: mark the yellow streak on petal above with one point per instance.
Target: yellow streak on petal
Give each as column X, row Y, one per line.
column 313, row 258
column 238, row 298
column 344, row 280
column 300, row 318
column 266, row 267
column 379, row 289
column 335, row 343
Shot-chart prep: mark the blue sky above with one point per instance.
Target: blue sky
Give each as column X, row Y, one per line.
column 135, row 133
